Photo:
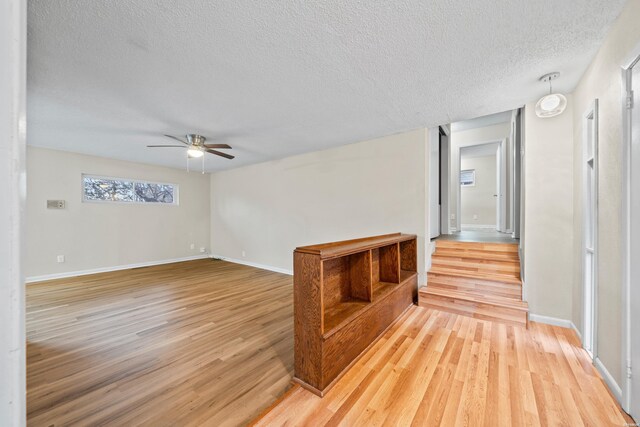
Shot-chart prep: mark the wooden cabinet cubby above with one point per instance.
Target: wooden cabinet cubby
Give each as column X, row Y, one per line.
column 345, row 295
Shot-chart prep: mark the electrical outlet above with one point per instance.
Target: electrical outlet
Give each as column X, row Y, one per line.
column 475, row 217
column 202, row 250
column 453, row 216
column 244, row 254
column 193, row 246
column 60, row 258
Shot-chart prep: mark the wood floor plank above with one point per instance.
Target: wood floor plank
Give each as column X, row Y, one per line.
column 458, row 370
column 202, row 342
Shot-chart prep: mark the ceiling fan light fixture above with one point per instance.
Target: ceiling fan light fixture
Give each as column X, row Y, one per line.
column 553, row 104
column 194, row 152
column 196, row 147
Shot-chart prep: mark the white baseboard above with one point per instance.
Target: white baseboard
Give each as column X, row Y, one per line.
column 606, row 376
column 608, row 379
column 42, row 278
column 479, row 226
column 253, row 264
column 555, row 321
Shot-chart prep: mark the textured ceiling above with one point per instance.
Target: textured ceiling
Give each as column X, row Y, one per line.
column 274, row 78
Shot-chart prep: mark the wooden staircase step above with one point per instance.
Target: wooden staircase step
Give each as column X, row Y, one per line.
column 473, row 294
column 477, row 246
column 508, row 265
column 482, row 269
column 497, row 301
column 513, row 278
column 476, row 279
column 486, row 308
column 472, row 253
column 476, row 286
column 479, row 282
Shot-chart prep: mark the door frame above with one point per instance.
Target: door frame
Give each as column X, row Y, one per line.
column 445, row 178
column 433, row 185
column 516, row 143
column 503, row 168
column 13, row 119
column 628, row 164
column 590, row 114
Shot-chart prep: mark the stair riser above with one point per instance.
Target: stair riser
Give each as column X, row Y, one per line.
column 452, row 279
column 491, row 255
column 477, row 310
column 486, row 269
column 460, row 274
column 485, row 273
column 476, row 246
column 507, row 263
column 479, row 291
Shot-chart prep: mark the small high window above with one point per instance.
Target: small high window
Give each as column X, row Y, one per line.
column 468, row 178
column 106, row 189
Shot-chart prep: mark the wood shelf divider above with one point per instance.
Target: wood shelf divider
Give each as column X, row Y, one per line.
column 345, row 295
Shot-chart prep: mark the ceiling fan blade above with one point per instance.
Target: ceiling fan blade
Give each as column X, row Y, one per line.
column 176, row 138
column 217, row 145
column 219, row 153
column 156, row 146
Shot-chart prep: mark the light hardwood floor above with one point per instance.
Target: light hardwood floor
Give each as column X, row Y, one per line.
column 435, row 368
column 211, row 343
column 195, row 343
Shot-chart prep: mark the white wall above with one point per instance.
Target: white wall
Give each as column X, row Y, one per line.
column 13, row 40
column 102, row 235
column 478, row 200
column 603, row 80
column 549, row 213
column 364, row 189
column 473, row 137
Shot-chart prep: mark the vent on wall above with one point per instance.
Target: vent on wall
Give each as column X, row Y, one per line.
column 55, row 204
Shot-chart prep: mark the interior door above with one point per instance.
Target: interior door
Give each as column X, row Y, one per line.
column 635, row 244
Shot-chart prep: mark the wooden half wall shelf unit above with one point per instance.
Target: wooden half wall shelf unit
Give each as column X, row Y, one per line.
column 346, row 294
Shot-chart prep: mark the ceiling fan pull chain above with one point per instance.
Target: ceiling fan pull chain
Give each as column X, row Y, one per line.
column 187, row 163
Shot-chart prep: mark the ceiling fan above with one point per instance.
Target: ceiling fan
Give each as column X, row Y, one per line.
column 196, row 146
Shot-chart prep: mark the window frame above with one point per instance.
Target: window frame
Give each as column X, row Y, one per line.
column 473, row 173
column 176, row 191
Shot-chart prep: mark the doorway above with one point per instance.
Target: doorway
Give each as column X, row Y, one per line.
column 439, row 158
column 590, row 227
column 480, row 187
column 504, row 129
